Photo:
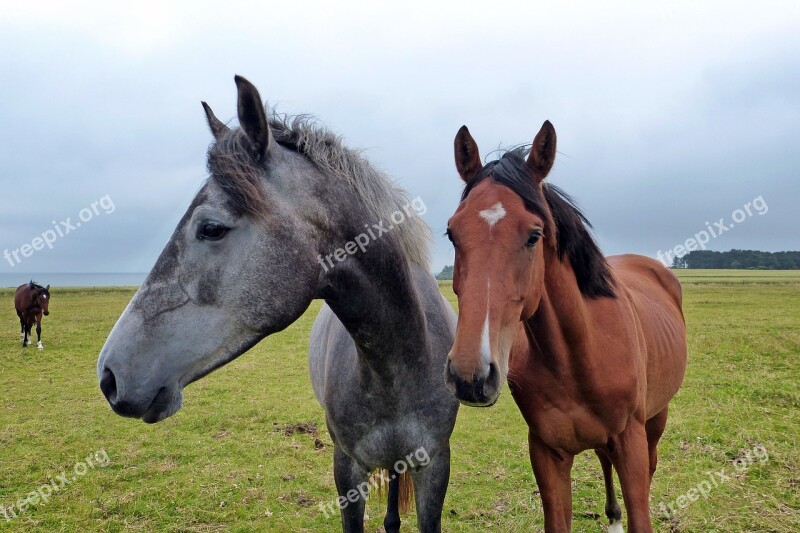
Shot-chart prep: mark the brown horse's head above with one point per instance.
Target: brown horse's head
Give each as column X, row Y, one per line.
column 41, row 295
column 499, row 231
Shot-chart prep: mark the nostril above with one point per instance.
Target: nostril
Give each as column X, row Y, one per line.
column 494, row 375
column 448, row 374
column 449, row 371
column 108, row 384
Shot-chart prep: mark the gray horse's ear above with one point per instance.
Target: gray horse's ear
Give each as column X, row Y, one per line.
column 543, row 152
column 468, row 159
column 218, row 128
column 253, row 118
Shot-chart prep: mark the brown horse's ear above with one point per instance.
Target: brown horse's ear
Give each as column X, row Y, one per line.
column 253, row 118
column 468, row 159
column 48, row 287
column 218, row 129
column 543, row 152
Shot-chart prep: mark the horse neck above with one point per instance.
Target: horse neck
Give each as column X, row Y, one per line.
column 371, row 291
column 558, row 331
column 374, row 295
column 32, row 299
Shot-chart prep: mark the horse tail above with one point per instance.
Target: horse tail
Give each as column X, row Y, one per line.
column 381, row 478
column 406, row 492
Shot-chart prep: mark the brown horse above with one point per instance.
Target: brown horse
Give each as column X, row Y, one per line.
column 593, row 348
column 31, row 302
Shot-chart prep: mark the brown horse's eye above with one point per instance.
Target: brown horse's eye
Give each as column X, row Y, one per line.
column 533, row 238
column 211, row 231
column 450, row 236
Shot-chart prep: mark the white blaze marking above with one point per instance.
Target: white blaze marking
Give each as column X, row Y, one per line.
column 486, row 351
column 494, row 214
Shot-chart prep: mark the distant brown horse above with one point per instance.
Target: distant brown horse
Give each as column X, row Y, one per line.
column 593, row 349
column 31, row 301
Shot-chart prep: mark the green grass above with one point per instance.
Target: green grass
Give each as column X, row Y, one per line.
column 225, row 463
column 749, row 277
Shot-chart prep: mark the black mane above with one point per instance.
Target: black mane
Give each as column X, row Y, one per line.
column 572, row 236
column 33, row 285
column 240, row 175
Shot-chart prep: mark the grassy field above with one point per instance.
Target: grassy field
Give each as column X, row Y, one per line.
column 749, row 277
column 249, row 452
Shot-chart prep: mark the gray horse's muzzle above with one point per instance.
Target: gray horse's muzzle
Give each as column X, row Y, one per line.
column 151, row 405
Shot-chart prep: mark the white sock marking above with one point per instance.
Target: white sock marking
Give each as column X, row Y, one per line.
column 494, row 214
column 616, row 527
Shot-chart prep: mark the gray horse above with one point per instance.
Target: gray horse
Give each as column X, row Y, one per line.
column 289, row 215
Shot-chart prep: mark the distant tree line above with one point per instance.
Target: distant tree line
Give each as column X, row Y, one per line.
column 446, row 273
column 733, row 259
column 739, row 259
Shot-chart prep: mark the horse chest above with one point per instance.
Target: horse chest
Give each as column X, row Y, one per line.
column 375, row 440
column 565, row 418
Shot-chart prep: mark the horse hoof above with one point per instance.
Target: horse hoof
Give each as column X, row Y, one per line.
column 41, row 347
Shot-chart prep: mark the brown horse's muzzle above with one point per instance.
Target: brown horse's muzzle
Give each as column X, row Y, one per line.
column 478, row 392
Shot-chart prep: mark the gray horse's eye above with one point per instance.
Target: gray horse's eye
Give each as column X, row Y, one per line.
column 211, row 231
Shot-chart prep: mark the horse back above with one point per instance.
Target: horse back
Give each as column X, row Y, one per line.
column 655, row 293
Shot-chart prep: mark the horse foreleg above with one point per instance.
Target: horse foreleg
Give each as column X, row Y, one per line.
column 655, row 428
column 613, row 511
column 39, row 331
column 629, row 455
column 552, row 470
column 430, row 487
column 26, row 333
column 352, row 486
column 391, row 522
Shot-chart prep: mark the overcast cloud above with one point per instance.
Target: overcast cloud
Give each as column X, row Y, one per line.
column 668, row 116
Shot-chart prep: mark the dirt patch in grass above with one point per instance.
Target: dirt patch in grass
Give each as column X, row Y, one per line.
column 302, row 428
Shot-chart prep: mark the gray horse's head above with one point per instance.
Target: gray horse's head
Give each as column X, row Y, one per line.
column 241, row 264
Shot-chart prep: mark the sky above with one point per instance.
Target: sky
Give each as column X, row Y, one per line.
column 671, row 117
